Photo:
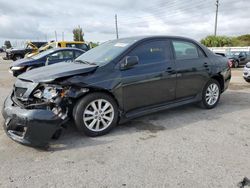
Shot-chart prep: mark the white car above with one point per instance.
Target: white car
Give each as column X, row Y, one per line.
column 246, row 72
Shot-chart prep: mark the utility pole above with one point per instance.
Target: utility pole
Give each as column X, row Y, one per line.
column 116, row 27
column 79, row 29
column 216, row 17
column 62, row 36
column 56, row 35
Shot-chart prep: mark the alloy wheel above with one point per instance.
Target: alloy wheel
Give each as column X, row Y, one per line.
column 236, row 64
column 98, row 115
column 212, row 94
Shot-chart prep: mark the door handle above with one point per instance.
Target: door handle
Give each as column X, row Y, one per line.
column 205, row 64
column 169, row 70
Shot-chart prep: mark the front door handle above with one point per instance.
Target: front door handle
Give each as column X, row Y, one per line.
column 205, row 64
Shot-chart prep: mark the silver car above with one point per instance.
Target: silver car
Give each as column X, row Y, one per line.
column 246, row 72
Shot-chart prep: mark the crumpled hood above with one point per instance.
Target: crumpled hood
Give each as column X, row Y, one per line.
column 59, row 70
column 21, row 62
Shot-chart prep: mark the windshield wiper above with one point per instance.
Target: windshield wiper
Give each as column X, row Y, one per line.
column 84, row 62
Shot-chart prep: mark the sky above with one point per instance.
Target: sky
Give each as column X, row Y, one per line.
column 22, row 20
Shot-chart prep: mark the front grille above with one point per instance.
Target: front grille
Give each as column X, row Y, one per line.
column 19, row 92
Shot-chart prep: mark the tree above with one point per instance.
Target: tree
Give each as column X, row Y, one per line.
column 78, row 34
column 224, row 41
column 7, row 44
column 217, row 41
column 243, row 40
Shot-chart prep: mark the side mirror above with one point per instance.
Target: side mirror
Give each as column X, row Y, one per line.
column 129, row 62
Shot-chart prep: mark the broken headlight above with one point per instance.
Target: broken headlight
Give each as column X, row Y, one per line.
column 48, row 92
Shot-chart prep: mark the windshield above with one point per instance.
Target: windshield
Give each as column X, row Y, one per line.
column 106, row 52
column 42, row 54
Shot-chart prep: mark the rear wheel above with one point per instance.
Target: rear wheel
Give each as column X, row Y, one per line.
column 211, row 94
column 96, row 114
column 236, row 64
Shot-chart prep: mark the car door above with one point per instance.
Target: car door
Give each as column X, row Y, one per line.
column 243, row 57
column 152, row 81
column 192, row 68
column 60, row 56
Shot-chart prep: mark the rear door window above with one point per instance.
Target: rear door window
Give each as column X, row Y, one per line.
column 186, row 50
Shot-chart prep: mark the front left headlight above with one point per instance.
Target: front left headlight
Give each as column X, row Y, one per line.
column 48, row 92
column 16, row 68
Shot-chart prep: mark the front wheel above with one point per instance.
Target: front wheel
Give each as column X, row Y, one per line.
column 96, row 114
column 17, row 57
column 247, row 80
column 211, row 94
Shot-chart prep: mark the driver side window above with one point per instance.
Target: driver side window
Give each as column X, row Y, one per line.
column 151, row 52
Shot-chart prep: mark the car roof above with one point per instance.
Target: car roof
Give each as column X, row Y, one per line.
column 67, row 48
column 156, row 37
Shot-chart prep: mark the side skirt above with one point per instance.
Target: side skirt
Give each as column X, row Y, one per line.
column 152, row 109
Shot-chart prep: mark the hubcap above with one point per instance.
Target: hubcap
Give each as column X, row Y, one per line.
column 98, row 115
column 212, row 94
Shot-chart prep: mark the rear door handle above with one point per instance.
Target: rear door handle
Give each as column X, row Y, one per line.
column 169, row 70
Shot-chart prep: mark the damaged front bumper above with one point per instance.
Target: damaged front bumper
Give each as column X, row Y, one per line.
column 33, row 127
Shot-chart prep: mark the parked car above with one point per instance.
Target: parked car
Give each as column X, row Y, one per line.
column 238, row 58
column 1, row 49
column 246, row 72
column 61, row 44
column 15, row 54
column 113, row 83
column 48, row 57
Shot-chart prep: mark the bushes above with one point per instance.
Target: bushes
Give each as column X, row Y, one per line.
column 224, row 41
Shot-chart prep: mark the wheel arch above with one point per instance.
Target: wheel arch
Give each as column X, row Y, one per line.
column 219, row 78
column 99, row 90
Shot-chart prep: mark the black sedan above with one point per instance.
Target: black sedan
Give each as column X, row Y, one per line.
column 113, row 83
column 48, row 57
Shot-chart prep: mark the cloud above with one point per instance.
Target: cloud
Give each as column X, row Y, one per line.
column 36, row 19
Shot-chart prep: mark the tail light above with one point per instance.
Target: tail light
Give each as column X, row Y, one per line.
column 230, row 63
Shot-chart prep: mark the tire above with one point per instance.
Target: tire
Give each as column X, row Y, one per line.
column 247, row 80
column 236, row 64
column 208, row 102
column 17, row 57
column 93, row 121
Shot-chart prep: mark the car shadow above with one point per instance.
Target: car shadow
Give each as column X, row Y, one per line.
column 230, row 102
